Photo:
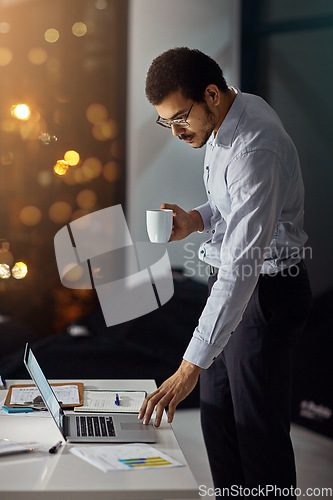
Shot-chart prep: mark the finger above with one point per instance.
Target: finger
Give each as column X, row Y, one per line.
column 158, row 416
column 160, row 407
column 167, row 206
column 170, row 206
column 172, row 410
column 143, row 408
column 151, row 403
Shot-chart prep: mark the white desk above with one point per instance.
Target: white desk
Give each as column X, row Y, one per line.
column 41, row 475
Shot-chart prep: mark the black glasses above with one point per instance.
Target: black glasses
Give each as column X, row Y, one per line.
column 179, row 122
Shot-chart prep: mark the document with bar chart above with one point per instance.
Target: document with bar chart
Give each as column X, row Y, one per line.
column 125, row 457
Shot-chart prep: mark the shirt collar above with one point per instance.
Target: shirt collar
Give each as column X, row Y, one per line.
column 226, row 132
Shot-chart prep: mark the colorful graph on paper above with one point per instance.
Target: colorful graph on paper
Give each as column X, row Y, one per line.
column 136, row 456
column 145, row 462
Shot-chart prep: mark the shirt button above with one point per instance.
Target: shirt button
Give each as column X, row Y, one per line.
column 208, row 192
column 207, row 168
column 201, row 251
column 213, row 231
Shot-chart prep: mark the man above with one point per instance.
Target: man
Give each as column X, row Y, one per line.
column 259, row 290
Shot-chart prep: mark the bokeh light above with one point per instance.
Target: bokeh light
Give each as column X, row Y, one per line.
column 72, row 158
column 20, row 270
column 79, row 29
column 5, row 272
column 37, row 55
column 61, row 167
column 20, row 111
column 111, row 171
column 79, row 176
column 51, row 35
column 102, row 131
column 47, row 139
column 92, row 168
column 86, row 199
column 101, row 4
column 60, row 212
column 6, row 55
column 79, row 214
column 30, row 215
column 96, row 113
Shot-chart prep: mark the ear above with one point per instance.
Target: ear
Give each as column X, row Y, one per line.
column 213, row 94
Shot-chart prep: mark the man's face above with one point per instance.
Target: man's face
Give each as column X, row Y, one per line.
column 201, row 119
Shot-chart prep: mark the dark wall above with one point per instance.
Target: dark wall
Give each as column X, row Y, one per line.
column 287, row 59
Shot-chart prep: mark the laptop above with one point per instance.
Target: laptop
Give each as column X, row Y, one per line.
column 88, row 427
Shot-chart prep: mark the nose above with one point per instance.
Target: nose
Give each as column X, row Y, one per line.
column 177, row 130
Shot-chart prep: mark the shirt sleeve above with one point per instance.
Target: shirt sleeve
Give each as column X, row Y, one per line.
column 258, row 185
column 206, row 214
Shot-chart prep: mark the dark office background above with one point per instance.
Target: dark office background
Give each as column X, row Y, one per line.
column 76, row 91
column 287, row 59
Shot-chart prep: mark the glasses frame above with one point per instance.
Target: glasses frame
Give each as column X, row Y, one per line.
column 178, row 122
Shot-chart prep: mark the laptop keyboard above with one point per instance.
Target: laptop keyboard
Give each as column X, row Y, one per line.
column 94, row 426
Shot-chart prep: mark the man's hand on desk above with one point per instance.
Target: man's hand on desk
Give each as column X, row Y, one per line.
column 170, row 393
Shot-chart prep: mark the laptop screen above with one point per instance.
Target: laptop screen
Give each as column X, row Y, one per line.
column 44, row 387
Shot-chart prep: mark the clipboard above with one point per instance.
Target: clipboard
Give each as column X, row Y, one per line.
column 79, row 385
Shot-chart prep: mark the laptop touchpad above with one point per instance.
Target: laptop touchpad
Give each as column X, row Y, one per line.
column 133, row 426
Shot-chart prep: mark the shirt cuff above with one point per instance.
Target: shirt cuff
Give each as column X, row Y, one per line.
column 201, row 353
column 206, row 213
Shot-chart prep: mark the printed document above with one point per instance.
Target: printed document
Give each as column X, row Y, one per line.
column 134, row 456
column 67, row 394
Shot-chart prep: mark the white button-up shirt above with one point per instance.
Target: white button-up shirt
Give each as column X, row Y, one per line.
column 253, row 219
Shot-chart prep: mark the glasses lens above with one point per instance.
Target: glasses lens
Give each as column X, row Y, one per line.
column 181, row 124
column 176, row 123
column 163, row 122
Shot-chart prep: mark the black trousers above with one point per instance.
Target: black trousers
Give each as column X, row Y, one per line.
column 246, row 392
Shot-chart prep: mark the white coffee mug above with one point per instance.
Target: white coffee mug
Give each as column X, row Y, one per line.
column 159, row 225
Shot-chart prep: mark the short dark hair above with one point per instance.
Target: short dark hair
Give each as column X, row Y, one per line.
column 181, row 68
